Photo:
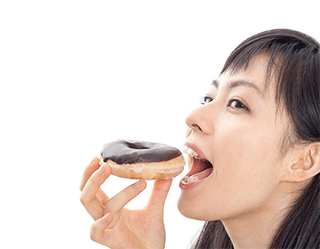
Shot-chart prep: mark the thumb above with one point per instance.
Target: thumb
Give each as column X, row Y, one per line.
column 158, row 196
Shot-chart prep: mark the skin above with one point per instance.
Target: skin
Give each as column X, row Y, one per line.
column 250, row 188
column 116, row 226
column 246, row 188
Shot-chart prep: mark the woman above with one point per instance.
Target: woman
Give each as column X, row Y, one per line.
column 258, row 136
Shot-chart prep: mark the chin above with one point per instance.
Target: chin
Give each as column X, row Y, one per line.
column 197, row 209
column 189, row 209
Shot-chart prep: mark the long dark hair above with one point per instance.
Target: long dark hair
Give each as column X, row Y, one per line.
column 295, row 60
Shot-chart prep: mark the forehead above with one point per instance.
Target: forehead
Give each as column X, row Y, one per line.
column 256, row 73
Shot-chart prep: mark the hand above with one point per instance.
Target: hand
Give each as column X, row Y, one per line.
column 116, row 226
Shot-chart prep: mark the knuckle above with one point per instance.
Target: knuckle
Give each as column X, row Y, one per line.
column 83, row 199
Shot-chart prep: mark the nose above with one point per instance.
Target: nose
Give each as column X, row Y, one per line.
column 199, row 120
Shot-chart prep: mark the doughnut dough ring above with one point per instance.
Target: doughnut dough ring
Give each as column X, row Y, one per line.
column 148, row 171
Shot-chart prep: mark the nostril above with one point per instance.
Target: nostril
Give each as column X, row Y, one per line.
column 196, row 126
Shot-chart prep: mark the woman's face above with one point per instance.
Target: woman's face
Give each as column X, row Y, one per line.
column 239, row 131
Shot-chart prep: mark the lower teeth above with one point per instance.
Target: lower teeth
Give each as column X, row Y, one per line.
column 191, row 179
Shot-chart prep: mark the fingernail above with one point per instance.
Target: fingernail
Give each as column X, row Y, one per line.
column 107, row 219
column 138, row 184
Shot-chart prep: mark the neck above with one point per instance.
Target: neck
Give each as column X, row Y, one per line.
column 256, row 229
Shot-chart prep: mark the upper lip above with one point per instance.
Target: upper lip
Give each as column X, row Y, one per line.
column 196, row 149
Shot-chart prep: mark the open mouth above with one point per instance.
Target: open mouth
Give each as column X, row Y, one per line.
column 200, row 170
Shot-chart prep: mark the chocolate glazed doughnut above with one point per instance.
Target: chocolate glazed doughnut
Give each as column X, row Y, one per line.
column 142, row 160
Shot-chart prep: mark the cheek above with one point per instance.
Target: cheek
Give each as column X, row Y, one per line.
column 244, row 162
column 250, row 145
column 244, row 175
column 245, row 155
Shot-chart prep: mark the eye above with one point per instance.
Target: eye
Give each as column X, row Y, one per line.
column 205, row 100
column 236, row 104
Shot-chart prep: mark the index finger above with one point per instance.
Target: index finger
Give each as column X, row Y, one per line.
column 90, row 194
column 89, row 170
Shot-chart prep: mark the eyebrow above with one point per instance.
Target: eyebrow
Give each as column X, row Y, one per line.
column 238, row 83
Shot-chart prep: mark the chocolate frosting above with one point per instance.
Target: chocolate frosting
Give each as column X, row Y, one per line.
column 130, row 151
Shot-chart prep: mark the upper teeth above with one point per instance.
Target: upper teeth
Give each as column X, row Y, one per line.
column 191, row 152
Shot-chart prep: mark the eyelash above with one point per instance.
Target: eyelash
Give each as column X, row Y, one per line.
column 242, row 106
column 207, row 99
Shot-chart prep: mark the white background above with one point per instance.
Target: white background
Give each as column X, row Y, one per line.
column 77, row 74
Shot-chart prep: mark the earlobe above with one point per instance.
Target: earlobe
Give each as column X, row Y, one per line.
column 307, row 166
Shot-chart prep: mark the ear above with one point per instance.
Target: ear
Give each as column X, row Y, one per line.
column 306, row 166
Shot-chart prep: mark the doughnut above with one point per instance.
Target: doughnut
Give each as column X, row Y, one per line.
column 142, row 160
